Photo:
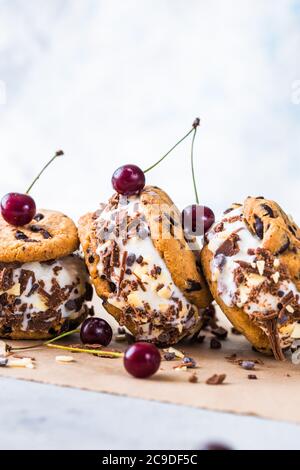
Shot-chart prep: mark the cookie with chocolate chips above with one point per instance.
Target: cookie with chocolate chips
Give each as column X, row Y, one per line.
column 48, row 236
column 143, row 268
column 251, row 261
column 44, row 286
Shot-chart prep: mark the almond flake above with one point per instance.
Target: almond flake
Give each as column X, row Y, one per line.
column 276, row 263
column 260, row 266
column 290, row 309
column 179, row 368
column 175, row 351
column 296, row 331
column 64, row 359
column 276, row 277
column 22, row 362
column 253, row 265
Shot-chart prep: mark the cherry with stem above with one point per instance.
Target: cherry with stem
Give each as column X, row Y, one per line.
column 130, row 179
column 196, row 219
column 19, row 209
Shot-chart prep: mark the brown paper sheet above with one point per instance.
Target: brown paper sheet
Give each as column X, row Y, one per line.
column 275, row 394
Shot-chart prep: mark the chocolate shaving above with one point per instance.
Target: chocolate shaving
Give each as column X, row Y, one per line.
column 6, row 279
column 216, row 379
column 230, row 246
column 25, row 275
column 220, row 332
column 274, row 339
column 215, row 344
column 122, row 270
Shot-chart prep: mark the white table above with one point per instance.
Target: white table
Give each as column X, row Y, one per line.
column 39, row 416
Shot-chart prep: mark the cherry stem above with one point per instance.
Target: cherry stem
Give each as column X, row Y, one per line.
column 174, row 146
column 59, row 153
column 192, row 165
column 90, row 351
column 49, row 341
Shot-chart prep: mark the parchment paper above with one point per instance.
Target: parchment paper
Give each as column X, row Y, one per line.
column 275, row 394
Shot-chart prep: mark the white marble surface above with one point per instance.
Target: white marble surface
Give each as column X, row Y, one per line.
column 40, row 416
column 113, row 82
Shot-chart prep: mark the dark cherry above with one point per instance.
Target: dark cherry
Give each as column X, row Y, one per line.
column 95, row 331
column 18, row 209
column 128, row 180
column 142, row 360
column 196, row 220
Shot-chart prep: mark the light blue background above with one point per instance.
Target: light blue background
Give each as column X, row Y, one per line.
column 116, row 81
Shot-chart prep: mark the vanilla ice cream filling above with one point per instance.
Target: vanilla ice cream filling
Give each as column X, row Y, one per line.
column 155, row 300
column 223, row 269
column 33, row 287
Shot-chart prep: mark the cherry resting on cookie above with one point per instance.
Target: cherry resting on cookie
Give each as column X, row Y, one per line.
column 142, row 360
column 19, row 209
column 128, row 180
column 96, row 331
column 197, row 220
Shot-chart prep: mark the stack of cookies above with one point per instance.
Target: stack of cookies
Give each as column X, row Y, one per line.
column 44, row 285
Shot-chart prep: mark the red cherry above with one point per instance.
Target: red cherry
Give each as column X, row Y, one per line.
column 142, row 360
column 196, row 220
column 17, row 209
column 128, row 180
column 95, row 331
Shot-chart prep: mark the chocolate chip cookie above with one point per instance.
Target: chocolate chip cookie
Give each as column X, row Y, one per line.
column 252, row 263
column 44, row 287
column 49, row 235
column 142, row 266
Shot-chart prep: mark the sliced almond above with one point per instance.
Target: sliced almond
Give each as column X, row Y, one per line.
column 276, row 277
column 290, row 309
column 64, row 359
column 296, row 331
column 260, row 266
column 164, row 292
column 20, row 362
column 276, row 263
column 4, row 349
column 175, row 351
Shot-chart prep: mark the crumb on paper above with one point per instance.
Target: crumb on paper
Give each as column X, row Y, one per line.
column 216, row 379
column 177, row 353
column 26, row 362
column 193, row 378
column 64, row 359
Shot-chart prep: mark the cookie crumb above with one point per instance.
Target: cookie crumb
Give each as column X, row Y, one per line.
column 215, row 344
column 193, row 378
column 216, row 379
column 252, row 377
column 64, row 359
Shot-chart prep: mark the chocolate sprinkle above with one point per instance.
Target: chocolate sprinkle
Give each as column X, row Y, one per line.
column 38, row 217
column 20, row 235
